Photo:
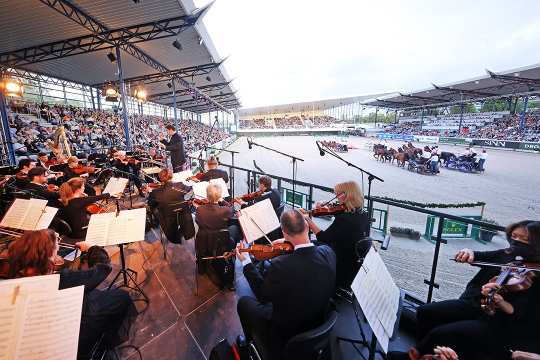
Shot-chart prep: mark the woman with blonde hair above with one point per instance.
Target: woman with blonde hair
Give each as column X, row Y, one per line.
column 74, row 202
column 347, row 229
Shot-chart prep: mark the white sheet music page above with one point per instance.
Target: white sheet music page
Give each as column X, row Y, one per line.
column 24, row 214
column 30, row 284
column 115, row 186
column 46, row 218
column 378, row 296
column 127, row 227
column 199, row 189
column 223, row 185
column 50, row 325
column 10, row 313
column 36, row 208
column 181, row 176
column 261, row 213
column 98, row 228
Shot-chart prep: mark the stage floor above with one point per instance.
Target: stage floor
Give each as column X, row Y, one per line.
column 180, row 324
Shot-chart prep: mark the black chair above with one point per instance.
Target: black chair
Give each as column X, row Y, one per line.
column 61, row 227
column 313, row 344
column 211, row 244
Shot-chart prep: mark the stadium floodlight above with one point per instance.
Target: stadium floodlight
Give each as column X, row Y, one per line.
column 12, row 87
column 110, row 92
column 208, row 78
column 111, row 57
column 140, row 94
column 177, row 45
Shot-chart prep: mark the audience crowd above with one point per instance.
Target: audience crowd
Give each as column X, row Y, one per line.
column 33, row 125
column 290, row 122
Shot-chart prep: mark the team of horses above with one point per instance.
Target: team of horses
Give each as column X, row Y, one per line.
column 406, row 153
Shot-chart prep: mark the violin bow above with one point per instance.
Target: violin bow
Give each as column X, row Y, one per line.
column 515, row 266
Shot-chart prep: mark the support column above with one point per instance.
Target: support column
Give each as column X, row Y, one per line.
column 174, row 106
column 522, row 115
column 7, row 132
column 92, row 98
column 123, row 98
column 40, row 91
column 462, row 108
column 65, row 95
column 376, row 113
column 422, row 119
column 98, row 99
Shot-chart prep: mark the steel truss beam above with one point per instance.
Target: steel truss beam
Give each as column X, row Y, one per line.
column 94, row 42
column 206, row 108
column 471, row 93
column 206, row 88
column 422, row 98
column 215, row 97
column 72, row 12
column 393, row 104
column 33, row 76
column 186, row 72
column 514, row 79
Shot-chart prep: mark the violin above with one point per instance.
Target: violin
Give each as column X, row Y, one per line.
column 198, row 202
column 54, row 161
column 52, row 187
column 196, row 177
column 95, row 208
column 82, row 169
column 262, row 252
column 251, row 196
column 328, row 210
column 514, row 277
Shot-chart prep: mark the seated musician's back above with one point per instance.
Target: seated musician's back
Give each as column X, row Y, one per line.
column 213, row 172
column 294, row 295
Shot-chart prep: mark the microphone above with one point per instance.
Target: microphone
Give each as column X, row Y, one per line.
column 250, row 143
column 321, row 150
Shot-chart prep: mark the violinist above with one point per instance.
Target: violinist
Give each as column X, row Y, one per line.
column 213, row 172
column 476, row 334
column 39, row 188
column 21, row 178
column 294, row 295
column 347, row 229
column 164, row 201
column 75, row 201
column 43, row 160
column 73, row 170
column 265, row 192
column 104, row 312
column 130, row 168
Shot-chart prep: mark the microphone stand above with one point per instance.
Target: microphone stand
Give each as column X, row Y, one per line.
column 231, row 171
column 324, row 150
column 294, row 159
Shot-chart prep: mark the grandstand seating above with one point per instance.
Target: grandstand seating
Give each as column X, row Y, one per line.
column 289, row 122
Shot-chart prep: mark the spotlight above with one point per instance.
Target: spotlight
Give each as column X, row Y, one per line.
column 12, row 87
column 112, row 57
column 140, row 94
column 208, row 78
column 177, row 45
column 110, row 93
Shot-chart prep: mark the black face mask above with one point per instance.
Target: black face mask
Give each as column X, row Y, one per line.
column 526, row 251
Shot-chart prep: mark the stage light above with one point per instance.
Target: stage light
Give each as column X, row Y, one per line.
column 208, row 78
column 12, row 87
column 140, row 94
column 111, row 57
column 177, row 45
column 110, row 92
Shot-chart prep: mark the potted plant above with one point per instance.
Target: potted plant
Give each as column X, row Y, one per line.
column 486, row 235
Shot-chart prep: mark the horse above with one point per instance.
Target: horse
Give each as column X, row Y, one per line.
column 379, row 152
column 401, row 157
column 446, row 156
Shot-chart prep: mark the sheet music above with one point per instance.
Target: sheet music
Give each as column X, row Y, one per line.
column 108, row 229
column 378, row 296
column 115, row 186
column 30, row 284
column 223, row 185
column 24, row 214
column 199, row 189
column 9, row 314
column 263, row 214
column 50, row 325
column 46, row 218
column 181, row 176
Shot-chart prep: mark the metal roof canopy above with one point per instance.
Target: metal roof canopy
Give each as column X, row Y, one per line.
column 144, row 30
column 516, row 82
column 307, row 105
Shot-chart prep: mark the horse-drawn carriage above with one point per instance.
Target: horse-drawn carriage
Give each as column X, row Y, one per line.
column 464, row 164
column 421, row 167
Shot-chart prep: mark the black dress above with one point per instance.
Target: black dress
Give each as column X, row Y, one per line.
column 342, row 236
column 75, row 214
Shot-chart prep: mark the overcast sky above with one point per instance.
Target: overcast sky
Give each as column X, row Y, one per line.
column 285, row 51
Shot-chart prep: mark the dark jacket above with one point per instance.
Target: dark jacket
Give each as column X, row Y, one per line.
column 41, row 192
column 342, row 236
column 299, row 286
column 166, row 200
column 211, row 218
column 215, row 174
column 274, row 196
column 176, row 147
column 75, row 214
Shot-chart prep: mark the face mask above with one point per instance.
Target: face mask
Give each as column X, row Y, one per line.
column 521, row 249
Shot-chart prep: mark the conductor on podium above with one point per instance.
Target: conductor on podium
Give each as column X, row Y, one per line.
column 175, row 146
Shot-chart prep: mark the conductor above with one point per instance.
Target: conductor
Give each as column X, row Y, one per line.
column 175, row 146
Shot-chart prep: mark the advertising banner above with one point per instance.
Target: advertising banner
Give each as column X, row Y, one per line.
column 496, row 143
column 426, row 139
column 451, row 140
column 402, row 137
column 530, row 146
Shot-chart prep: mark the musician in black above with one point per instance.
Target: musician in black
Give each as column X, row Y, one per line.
column 472, row 333
column 72, row 171
column 267, row 192
column 175, row 145
column 213, row 172
column 21, row 178
column 38, row 186
column 128, row 169
column 346, row 231
column 168, row 202
column 42, row 160
column 75, row 202
column 294, row 295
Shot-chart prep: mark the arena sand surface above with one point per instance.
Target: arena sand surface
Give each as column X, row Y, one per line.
column 510, row 186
